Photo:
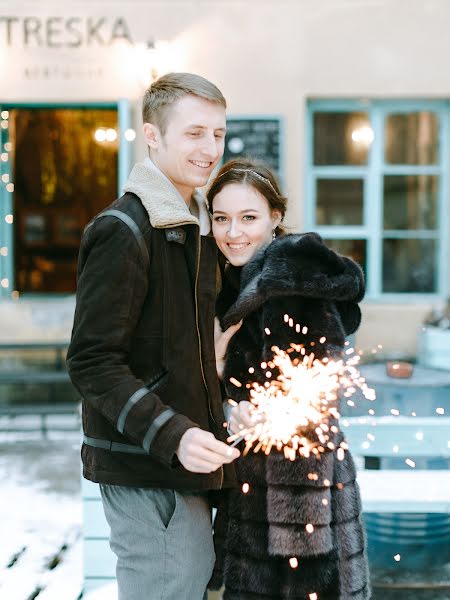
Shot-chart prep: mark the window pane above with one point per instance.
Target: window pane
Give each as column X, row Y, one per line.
column 411, row 138
column 341, row 138
column 65, row 172
column 356, row 249
column 409, row 266
column 410, row 202
column 339, row 201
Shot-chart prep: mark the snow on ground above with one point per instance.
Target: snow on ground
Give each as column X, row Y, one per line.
column 40, row 512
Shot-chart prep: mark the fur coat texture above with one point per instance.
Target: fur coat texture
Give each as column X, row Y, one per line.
column 258, row 532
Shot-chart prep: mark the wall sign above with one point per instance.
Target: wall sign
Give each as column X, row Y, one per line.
column 258, row 138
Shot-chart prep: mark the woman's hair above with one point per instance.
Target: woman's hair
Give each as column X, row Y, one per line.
column 249, row 172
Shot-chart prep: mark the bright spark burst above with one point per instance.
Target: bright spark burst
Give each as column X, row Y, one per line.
column 294, row 412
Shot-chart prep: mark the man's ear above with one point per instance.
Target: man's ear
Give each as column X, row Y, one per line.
column 152, row 135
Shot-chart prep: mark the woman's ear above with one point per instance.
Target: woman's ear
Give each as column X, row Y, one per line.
column 277, row 217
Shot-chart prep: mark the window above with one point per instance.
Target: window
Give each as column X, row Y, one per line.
column 64, row 164
column 376, row 190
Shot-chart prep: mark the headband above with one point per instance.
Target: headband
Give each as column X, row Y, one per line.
column 257, row 175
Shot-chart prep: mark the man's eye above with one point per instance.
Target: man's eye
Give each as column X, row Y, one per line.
column 220, row 136
column 194, row 133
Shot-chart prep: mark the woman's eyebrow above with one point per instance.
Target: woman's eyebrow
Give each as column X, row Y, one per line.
column 246, row 210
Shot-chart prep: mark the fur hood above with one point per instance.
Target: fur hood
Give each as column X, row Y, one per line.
column 300, row 265
column 164, row 204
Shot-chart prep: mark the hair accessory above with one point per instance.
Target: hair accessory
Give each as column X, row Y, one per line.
column 254, row 173
column 274, row 234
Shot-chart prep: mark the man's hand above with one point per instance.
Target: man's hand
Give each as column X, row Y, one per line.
column 221, row 341
column 200, row 452
column 241, row 417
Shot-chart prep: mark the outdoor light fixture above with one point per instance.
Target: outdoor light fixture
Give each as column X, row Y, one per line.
column 155, row 58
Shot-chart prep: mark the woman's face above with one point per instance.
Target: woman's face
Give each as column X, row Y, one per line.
column 243, row 222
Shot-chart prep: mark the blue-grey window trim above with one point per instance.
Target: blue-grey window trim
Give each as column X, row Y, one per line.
column 375, row 109
column 156, row 426
column 138, row 395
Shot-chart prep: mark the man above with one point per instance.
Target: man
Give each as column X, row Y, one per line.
column 142, row 350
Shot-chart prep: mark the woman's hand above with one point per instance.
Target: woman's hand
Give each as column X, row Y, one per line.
column 221, row 341
column 241, row 417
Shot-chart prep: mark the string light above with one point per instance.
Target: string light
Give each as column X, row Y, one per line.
column 130, row 135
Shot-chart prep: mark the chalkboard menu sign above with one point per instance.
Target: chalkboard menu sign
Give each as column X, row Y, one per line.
column 257, row 138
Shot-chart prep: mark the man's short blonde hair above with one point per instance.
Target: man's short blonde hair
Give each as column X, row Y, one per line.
column 171, row 87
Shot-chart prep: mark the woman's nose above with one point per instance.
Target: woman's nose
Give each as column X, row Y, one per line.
column 233, row 230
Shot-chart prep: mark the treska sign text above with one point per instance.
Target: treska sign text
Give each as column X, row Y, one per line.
column 62, row 32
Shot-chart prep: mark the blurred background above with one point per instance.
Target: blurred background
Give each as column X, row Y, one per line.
column 349, row 103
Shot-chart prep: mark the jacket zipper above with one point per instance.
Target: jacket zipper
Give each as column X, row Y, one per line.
column 200, row 342
column 197, row 325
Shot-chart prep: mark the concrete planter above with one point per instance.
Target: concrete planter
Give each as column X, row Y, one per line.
column 434, row 348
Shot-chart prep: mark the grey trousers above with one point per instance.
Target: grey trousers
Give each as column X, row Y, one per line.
column 162, row 540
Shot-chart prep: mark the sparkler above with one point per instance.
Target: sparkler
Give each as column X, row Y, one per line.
column 296, row 411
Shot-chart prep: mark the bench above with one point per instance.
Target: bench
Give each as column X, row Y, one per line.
column 406, row 508
column 44, row 414
column 56, row 374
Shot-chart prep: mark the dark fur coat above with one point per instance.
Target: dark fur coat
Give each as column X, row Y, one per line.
column 257, row 533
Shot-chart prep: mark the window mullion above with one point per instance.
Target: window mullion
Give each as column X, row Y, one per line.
column 374, row 205
column 442, row 254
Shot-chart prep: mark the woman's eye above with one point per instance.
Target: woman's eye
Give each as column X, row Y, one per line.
column 220, row 219
column 249, row 218
column 194, row 133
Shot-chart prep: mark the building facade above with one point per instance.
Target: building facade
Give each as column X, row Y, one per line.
column 350, row 101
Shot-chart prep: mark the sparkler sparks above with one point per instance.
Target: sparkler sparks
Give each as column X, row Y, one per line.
column 294, row 411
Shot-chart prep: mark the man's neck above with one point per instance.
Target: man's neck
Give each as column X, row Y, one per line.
column 185, row 192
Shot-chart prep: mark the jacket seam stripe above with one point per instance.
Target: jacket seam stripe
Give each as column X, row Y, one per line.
column 155, row 427
column 138, row 395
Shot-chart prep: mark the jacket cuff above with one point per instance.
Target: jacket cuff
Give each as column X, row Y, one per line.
column 168, row 439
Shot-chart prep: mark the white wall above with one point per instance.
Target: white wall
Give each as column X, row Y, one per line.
column 267, row 56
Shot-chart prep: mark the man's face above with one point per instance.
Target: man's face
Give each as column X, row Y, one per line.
column 192, row 145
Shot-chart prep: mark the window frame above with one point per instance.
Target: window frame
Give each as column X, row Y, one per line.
column 372, row 174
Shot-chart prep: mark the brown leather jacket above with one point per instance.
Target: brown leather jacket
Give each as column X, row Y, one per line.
column 142, row 349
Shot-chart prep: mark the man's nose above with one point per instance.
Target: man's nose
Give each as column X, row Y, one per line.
column 210, row 147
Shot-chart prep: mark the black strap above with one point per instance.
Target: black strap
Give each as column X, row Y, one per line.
column 113, row 446
column 132, row 225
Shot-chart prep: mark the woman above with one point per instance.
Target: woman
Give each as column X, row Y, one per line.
column 296, row 533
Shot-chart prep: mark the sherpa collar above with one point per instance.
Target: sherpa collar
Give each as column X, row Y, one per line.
column 296, row 265
column 164, row 204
